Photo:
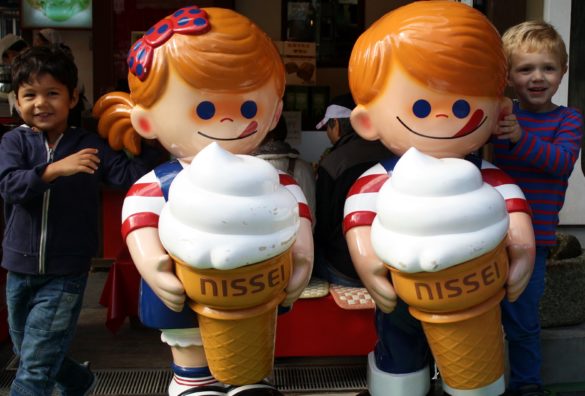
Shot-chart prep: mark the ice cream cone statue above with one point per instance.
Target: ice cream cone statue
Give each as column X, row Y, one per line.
column 440, row 230
column 438, row 236
column 229, row 226
column 219, row 238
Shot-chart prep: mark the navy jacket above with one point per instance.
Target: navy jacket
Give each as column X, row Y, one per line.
column 338, row 170
column 52, row 228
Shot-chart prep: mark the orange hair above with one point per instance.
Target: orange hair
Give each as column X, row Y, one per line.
column 233, row 56
column 447, row 46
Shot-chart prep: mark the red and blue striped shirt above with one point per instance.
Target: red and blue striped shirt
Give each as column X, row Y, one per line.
column 541, row 163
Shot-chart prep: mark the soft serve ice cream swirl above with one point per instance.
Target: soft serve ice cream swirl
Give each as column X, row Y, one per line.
column 226, row 211
column 435, row 213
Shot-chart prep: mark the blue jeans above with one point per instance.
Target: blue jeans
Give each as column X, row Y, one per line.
column 42, row 315
column 402, row 346
column 521, row 321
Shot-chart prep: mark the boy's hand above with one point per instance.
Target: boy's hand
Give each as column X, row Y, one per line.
column 508, row 128
column 83, row 161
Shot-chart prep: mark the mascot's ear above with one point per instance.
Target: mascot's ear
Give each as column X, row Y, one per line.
column 506, row 107
column 142, row 122
column 277, row 115
column 361, row 122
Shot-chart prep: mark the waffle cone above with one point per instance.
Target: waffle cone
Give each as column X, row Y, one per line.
column 455, row 288
column 468, row 346
column 237, row 288
column 460, row 314
column 239, row 344
column 236, row 311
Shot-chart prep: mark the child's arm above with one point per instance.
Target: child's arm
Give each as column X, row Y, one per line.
column 509, row 128
column 556, row 157
column 20, row 180
column 83, row 161
column 120, row 170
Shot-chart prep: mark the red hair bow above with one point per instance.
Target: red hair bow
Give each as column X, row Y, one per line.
column 188, row 20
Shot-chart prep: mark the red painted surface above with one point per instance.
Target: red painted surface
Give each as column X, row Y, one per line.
column 314, row 327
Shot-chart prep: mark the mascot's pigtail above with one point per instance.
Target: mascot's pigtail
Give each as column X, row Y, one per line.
column 113, row 110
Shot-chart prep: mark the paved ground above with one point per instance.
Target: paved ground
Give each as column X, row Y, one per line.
column 135, row 355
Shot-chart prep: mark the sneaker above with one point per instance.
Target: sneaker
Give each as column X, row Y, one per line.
column 209, row 390
column 93, row 382
column 259, row 389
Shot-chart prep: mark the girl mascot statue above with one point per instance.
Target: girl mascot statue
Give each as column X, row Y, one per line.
column 202, row 79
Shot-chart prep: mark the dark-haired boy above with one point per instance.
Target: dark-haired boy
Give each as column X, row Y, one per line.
column 50, row 178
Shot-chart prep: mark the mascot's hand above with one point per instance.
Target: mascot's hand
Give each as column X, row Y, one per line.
column 371, row 270
column 156, row 267
column 521, row 252
column 521, row 265
column 302, row 252
column 165, row 284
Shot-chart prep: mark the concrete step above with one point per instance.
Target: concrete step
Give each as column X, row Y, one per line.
column 563, row 354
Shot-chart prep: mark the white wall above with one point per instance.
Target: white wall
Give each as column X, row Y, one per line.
column 558, row 13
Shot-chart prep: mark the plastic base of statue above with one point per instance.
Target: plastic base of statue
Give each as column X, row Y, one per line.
column 494, row 389
column 381, row 383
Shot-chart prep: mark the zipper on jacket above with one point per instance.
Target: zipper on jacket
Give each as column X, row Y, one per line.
column 45, row 208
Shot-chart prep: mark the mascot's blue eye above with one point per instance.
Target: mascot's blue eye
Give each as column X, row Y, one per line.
column 461, row 108
column 205, row 110
column 421, row 108
column 249, row 109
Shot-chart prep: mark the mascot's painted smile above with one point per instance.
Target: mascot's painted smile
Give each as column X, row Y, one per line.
column 250, row 130
column 475, row 121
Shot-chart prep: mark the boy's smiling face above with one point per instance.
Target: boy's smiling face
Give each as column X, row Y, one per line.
column 44, row 104
column 535, row 77
column 408, row 114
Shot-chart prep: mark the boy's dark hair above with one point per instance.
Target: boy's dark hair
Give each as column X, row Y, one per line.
column 36, row 61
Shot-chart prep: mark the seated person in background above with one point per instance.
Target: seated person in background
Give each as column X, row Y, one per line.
column 282, row 156
column 350, row 156
column 10, row 46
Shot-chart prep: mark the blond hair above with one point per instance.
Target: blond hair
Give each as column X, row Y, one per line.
column 535, row 36
column 449, row 47
column 233, row 56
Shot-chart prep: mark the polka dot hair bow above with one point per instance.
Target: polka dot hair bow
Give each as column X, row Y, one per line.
column 188, row 20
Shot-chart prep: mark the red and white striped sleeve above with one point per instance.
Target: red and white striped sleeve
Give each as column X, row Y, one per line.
column 291, row 185
column 360, row 204
column 507, row 187
column 142, row 205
